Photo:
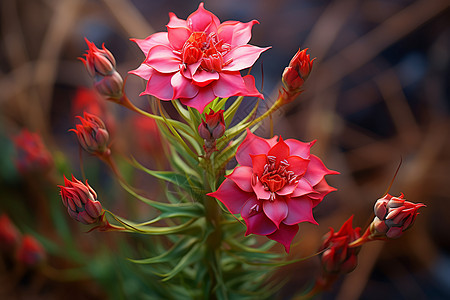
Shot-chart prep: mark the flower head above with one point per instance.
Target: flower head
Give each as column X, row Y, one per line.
column 81, row 201
column 338, row 257
column 9, row 234
column 32, row 155
column 213, row 127
column 276, row 186
column 92, row 134
column 393, row 215
column 199, row 59
column 30, row 251
column 101, row 66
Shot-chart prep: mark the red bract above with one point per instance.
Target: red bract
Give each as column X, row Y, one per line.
column 199, row 59
column 213, row 127
column 338, row 257
column 92, row 134
column 32, row 155
column 276, row 186
column 81, row 201
column 9, row 235
column 393, row 215
column 30, row 251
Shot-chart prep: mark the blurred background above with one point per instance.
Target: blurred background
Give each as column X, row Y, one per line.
column 378, row 95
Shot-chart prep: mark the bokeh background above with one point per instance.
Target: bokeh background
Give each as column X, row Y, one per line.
column 378, row 95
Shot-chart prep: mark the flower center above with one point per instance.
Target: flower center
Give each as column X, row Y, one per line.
column 207, row 49
column 275, row 176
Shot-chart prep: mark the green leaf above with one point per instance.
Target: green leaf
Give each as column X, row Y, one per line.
column 177, row 250
column 195, row 254
column 219, row 104
column 229, row 113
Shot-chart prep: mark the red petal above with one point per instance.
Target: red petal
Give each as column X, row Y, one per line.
column 297, row 165
column 203, row 20
column 182, row 87
column 202, row 78
column 276, row 210
column 236, row 33
column 280, row 150
column 299, row 148
column 162, row 59
column 159, row 38
column 242, row 176
column 299, row 210
column 232, row 196
column 257, row 222
column 303, row 188
column 259, row 190
column 144, row 71
column 317, row 170
column 253, row 145
column 242, row 57
column 284, row 235
column 204, row 97
column 159, row 86
column 178, row 36
column 258, row 162
column 229, row 84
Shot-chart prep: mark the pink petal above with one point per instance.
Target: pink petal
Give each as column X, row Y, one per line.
column 175, row 21
column 144, row 71
column 182, row 87
column 252, row 144
column 257, row 222
column 322, row 189
column 242, row 57
column 162, row 59
column 159, row 38
column 258, row 162
column 178, row 36
column 317, row 170
column 229, row 84
column 232, row 196
column 299, row 210
column 242, row 177
column 159, row 86
column 273, row 140
column 203, row 98
column 297, row 164
column 288, row 189
column 284, row 235
column 202, row 78
column 303, row 188
column 260, row 191
column 276, row 210
column 251, row 90
column 299, row 148
column 236, row 33
column 280, row 151
column 203, row 20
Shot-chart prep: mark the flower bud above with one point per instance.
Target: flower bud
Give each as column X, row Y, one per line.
column 298, row 71
column 338, row 257
column 213, row 127
column 81, row 201
column 101, row 66
column 9, row 235
column 393, row 215
column 92, row 134
column 30, row 251
column 32, row 155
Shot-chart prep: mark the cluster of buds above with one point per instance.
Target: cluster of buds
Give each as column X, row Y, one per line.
column 32, row 155
column 81, row 201
column 101, row 66
column 295, row 74
column 92, row 134
column 212, row 128
column 393, row 215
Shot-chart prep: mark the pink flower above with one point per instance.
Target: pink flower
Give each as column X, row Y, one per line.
column 30, row 251
column 92, row 134
column 276, row 187
column 81, row 201
column 32, row 155
column 338, row 256
column 393, row 215
column 199, row 59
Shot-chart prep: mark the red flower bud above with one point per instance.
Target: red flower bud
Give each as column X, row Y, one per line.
column 101, row 66
column 298, row 71
column 81, row 201
column 338, row 256
column 32, row 155
column 92, row 134
column 30, row 252
column 393, row 215
column 9, row 235
column 213, row 127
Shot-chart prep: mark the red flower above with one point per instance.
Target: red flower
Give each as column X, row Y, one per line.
column 81, row 201
column 213, row 127
column 199, row 59
column 92, row 134
column 33, row 156
column 101, row 65
column 393, row 215
column 30, row 251
column 9, row 235
column 276, row 186
column 338, row 256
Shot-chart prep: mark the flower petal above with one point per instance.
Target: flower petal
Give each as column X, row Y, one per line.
column 288, row 189
column 284, row 235
column 252, row 144
column 236, row 33
column 203, row 20
column 242, row 57
column 322, row 189
column 204, row 97
column 257, row 222
column 251, row 90
column 175, row 21
column 159, row 38
column 303, row 188
column 299, row 148
column 229, row 84
column 260, row 191
column 144, row 71
column 297, row 164
column 162, row 59
column 159, row 86
column 242, row 177
column 258, row 162
column 178, row 36
column 182, row 87
column 276, row 210
column 202, row 78
column 232, row 196
column 317, row 170
column 299, row 210
column 280, row 150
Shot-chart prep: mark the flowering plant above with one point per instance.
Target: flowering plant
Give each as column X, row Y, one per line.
column 233, row 201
